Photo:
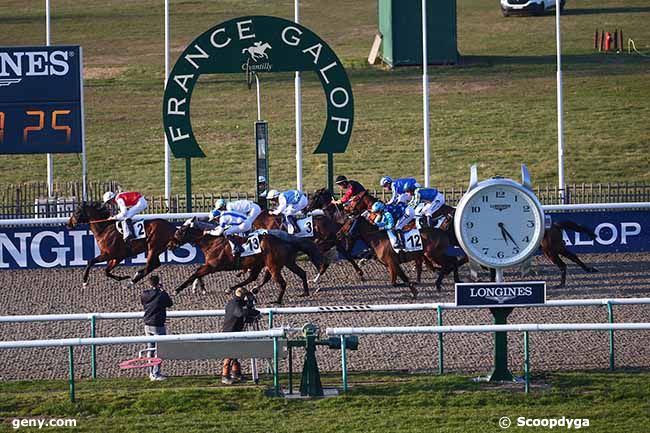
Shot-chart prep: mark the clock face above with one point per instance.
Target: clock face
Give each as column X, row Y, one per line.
column 500, row 224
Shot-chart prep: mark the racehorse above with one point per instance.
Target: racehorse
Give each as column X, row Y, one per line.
column 434, row 243
column 553, row 246
column 113, row 249
column 324, row 229
column 277, row 252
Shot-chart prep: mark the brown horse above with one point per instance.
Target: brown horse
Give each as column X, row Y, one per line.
column 276, row 254
column 325, row 230
column 111, row 244
column 553, row 246
column 434, row 242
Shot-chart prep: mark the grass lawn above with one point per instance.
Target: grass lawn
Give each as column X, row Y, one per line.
column 497, row 109
column 377, row 402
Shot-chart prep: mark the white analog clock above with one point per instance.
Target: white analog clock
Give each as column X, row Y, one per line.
column 499, row 222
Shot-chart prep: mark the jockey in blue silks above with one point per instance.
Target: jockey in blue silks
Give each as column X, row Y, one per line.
column 396, row 186
column 290, row 203
column 389, row 218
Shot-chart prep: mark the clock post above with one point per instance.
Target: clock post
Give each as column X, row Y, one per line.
column 499, row 223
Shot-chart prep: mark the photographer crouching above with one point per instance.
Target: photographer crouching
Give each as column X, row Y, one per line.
column 240, row 311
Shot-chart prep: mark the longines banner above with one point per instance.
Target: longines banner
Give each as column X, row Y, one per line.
column 47, row 247
column 259, row 44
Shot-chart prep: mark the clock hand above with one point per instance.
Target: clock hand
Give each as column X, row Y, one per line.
column 503, row 233
column 509, row 235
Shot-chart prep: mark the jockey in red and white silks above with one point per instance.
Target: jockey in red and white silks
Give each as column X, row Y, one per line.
column 130, row 203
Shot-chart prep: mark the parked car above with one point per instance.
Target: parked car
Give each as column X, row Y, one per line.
column 528, row 7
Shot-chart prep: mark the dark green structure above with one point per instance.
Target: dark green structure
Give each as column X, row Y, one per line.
column 400, row 24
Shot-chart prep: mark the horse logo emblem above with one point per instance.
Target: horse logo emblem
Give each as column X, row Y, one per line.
column 257, row 51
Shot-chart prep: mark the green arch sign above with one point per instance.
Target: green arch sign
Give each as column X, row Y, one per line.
column 265, row 44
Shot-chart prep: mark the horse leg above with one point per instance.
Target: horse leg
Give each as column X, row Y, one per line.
column 153, row 261
column 293, row 267
column 203, row 270
column 112, row 264
column 418, row 270
column 91, row 263
column 574, row 258
column 251, row 277
column 410, row 284
column 267, row 277
column 353, row 262
column 560, row 264
column 198, row 283
column 276, row 273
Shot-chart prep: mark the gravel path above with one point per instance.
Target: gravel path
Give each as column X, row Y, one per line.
column 60, row 291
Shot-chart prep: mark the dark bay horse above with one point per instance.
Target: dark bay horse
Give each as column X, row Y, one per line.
column 276, row 254
column 553, row 246
column 112, row 247
column 325, row 230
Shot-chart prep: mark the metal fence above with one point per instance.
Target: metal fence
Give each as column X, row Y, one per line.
column 30, row 200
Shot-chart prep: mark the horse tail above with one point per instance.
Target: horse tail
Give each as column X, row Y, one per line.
column 570, row 225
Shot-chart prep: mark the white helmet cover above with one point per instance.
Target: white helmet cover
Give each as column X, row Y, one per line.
column 273, row 193
column 108, row 196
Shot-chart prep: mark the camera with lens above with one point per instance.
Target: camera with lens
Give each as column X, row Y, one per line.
column 251, row 314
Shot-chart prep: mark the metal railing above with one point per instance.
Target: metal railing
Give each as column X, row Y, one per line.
column 441, row 330
column 438, row 307
column 70, row 343
column 30, row 200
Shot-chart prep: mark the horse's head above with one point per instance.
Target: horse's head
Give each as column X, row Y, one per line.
column 185, row 233
column 360, row 202
column 319, row 200
column 87, row 213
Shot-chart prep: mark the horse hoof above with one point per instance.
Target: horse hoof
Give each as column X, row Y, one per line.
column 130, row 285
column 228, row 291
column 559, row 286
column 85, row 285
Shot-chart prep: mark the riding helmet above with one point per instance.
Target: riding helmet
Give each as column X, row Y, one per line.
column 108, row 196
column 377, row 207
column 385, row 180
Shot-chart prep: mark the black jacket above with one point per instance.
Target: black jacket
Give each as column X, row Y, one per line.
column 234, row 319
column 155, row 303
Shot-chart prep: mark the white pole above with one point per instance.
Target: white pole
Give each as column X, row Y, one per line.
column 425, row 94
column 560, row 120
column 84, row 165
column 259, row 100
column 297, row 93
column 50, row 161
column 168, row 174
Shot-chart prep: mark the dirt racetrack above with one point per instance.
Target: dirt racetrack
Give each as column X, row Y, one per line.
column 60, row 291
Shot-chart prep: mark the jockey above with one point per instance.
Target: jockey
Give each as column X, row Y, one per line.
column 237, row 218
column 426, row 202
column 349, row 188
column 213, row 218
column 130, row 204
column 397, row 188
column 290, row 203
column 386, row 221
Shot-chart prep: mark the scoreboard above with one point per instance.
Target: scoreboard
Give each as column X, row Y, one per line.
column 41, row 99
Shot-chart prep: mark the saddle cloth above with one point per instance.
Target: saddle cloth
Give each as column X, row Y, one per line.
column 252, row 246
column 137, row 226
column 412, row 240
column 306, row 225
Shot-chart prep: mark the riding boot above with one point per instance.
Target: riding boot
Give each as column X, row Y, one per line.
column 291, row 219
column 126, row 230
column 237, row 249
column 399, row 243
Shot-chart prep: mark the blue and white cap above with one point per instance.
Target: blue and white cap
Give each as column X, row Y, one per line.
column 385, row 180
column 214, row 214
column 220, row 204
column 377, row 207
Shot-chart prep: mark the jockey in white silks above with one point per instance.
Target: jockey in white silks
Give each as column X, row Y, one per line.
column 130, row 204
column 237, row 219
column 290, row 203
column 426, row 202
